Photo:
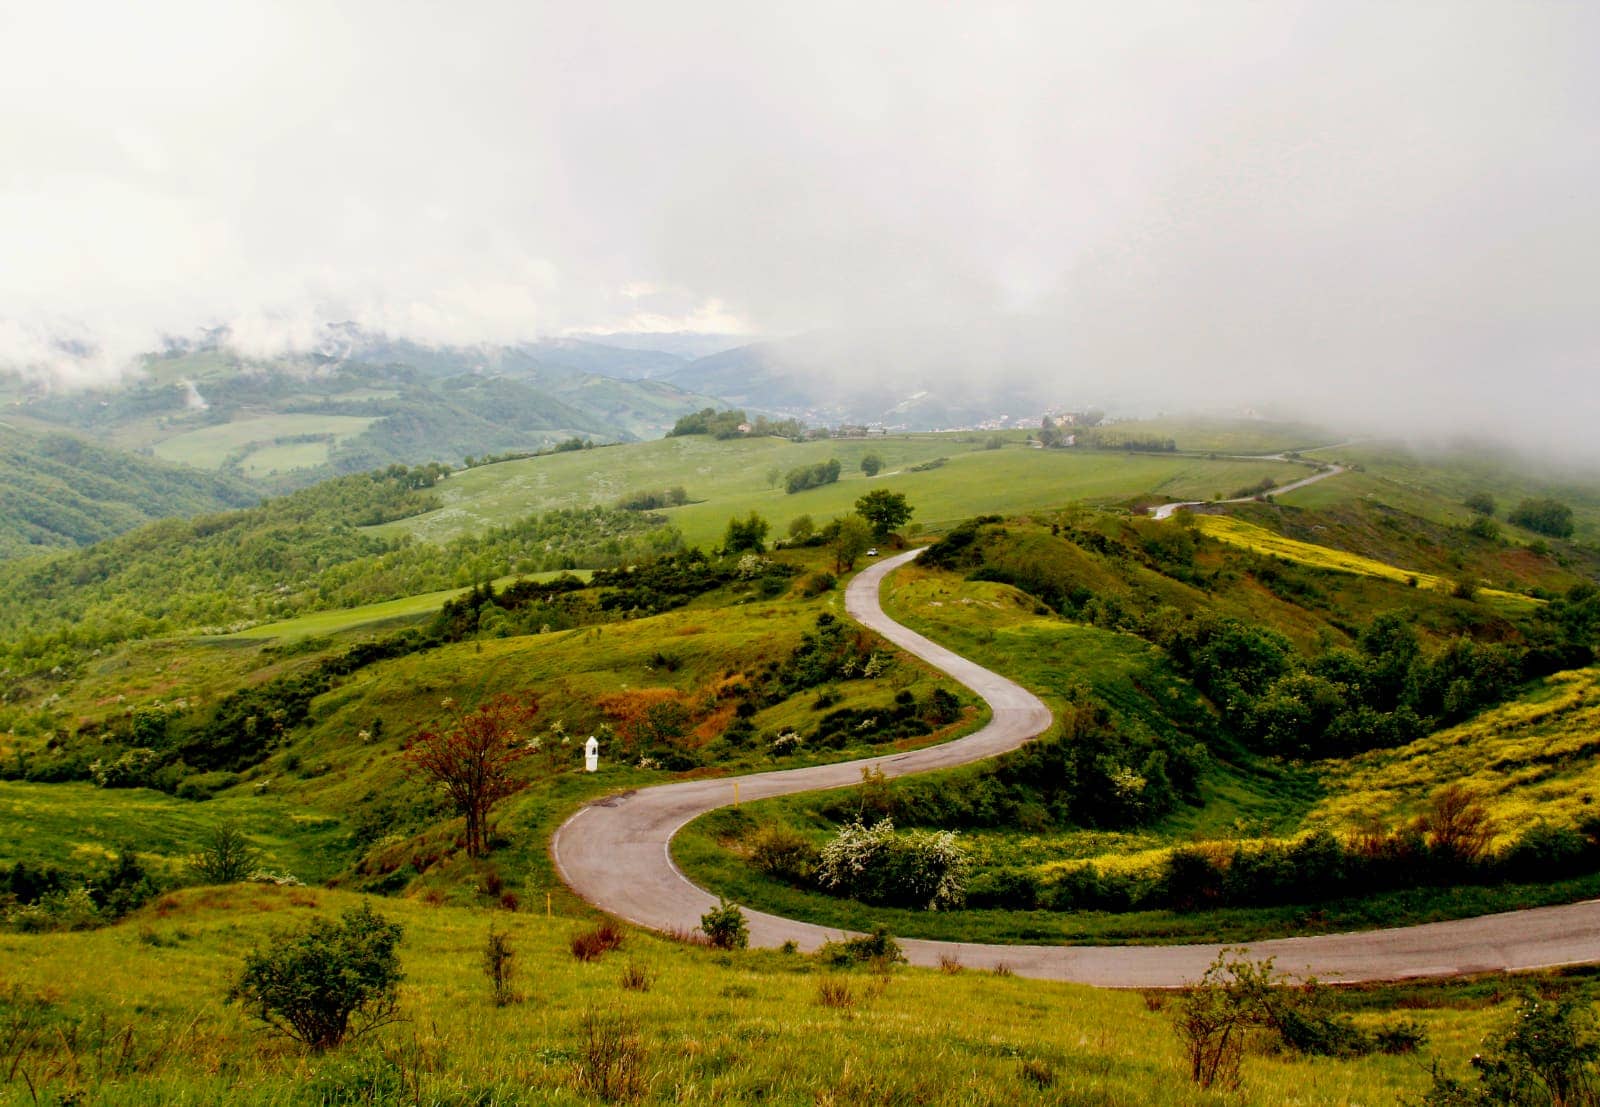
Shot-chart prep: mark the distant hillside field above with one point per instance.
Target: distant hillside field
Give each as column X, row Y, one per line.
column 262, row 442
column 1433, row 485
column 292, row 421
column 725, row 478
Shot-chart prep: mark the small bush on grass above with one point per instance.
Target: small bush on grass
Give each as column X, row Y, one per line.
column 878, row 949
column 636, row 978
column 500, row 965
column 613, row 1064
column 1215, row 1017
column 326, row 983
column 1401, row 1038
column 817, row 583
column 1548, row 1055
column 784, row 853
column 1237, row 1000
column 591, row 945
column 834, row 991
column 724, row 926
column 876, row 865
column 1038, row 1073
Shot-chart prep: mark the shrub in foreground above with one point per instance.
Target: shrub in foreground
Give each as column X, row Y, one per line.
column 1549, row 1054
column 878, row 949
column 1237, row 1000
column 499, row 965
column 591, row 945
column 326, row 983
column 724, row 926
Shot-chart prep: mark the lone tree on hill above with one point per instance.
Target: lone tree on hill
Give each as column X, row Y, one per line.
column 884, row 510
column 475, row 759
column 749, row 533
column 848, row 538
column 871, row 464
column 1479, row 503
column 1544, row 516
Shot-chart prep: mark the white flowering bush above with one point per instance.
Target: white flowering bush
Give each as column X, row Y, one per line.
column 876, row 864
column 752, row 565
column 785, row 743
column 284, row 879
column 73, row 909
column 127, row 771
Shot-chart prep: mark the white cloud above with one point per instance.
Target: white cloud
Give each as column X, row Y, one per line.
column 1356, row 206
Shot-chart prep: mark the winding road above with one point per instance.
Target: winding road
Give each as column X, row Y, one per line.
column 616, row 854
column 1164, row 511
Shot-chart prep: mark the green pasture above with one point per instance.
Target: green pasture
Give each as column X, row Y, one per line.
column 710, row 1027
column 731, row 478
column 78, row 826
column 351, row 618
column 209, row 447
column 1225, row 434
column 1433, row 486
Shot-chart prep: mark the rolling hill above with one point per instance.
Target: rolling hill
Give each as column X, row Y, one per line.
column 59, row 491
column 366, row 402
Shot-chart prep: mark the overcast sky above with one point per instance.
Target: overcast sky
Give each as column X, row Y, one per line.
column 1388, row 205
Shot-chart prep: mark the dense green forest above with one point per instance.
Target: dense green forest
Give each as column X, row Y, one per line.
column 57, row 490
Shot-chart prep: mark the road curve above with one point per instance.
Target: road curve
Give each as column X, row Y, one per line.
column 1164, row 511
column 616, row 854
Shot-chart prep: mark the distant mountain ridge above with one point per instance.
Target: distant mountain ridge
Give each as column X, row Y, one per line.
column 922, row 381
column 360, row 401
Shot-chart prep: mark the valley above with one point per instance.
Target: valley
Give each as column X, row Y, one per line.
column 270, row 670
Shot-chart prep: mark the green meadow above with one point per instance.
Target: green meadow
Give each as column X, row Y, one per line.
column 209, row 447
column 150, row 1026
column 724, row 478
column 330, row 803
column 371, row 615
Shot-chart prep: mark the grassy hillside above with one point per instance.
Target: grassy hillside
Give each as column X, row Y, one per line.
column 1260, row 540
column 60, row 491
column 286, row 423
column 726, row 478
column 1531, row 760
column 1504, row 557
column 291, row 555
column 328, row 796
column 715, row 1026
column 1151, row 591
column 262, row 445
column 1434, row 484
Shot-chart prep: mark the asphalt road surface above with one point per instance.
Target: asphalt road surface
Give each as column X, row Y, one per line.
column 615, row 854
column 1164, row 511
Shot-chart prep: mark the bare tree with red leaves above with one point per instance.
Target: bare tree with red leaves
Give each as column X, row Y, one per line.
column 475, row 758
